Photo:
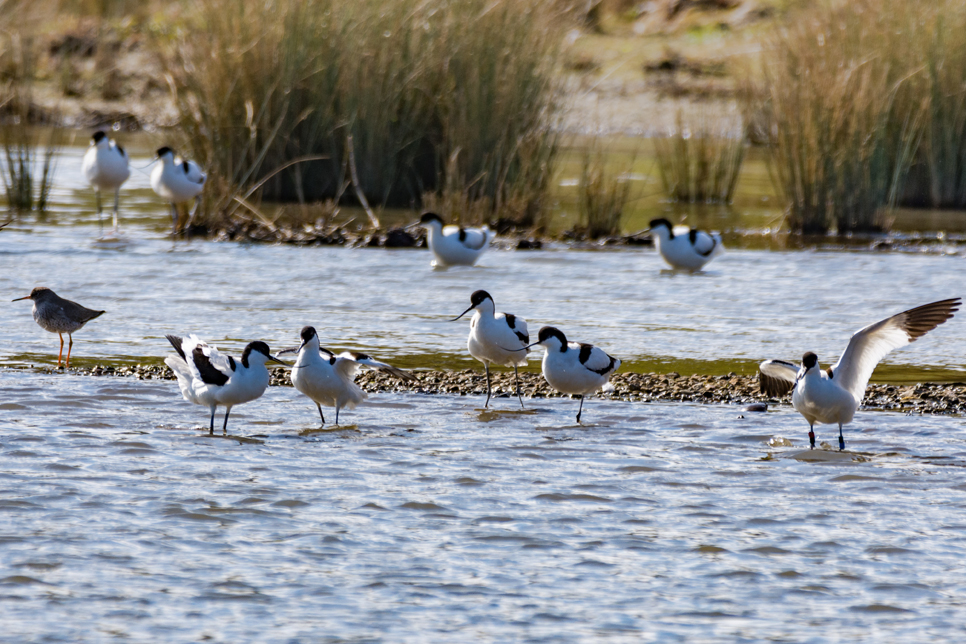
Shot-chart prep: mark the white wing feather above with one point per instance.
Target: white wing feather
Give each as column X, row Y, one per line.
column 777, row 377
column 869, row 345
column 350, row 363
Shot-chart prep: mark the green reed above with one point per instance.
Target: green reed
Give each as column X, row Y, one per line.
column 701, row 160
column 424, row 90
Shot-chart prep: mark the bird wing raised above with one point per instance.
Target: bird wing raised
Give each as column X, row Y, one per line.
column 776, row 377
column 595, row 358
column 349, row 362
column 207, row 364
column 869, row 345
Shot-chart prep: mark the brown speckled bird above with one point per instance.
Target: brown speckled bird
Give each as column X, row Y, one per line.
column 57, row 315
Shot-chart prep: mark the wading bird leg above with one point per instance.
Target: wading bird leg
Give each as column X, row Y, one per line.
column 580, row 409
column 516, row 382
column 194, row 209
column 174, row 219
column 224, row 428
column 69, row 347
column 811, row 435
column 337, row 415
column 100, row 219
column 486, row 365
column 211, row 427
column 321, row 415
column 61, row 354
column 841, row 439
column 117, row 194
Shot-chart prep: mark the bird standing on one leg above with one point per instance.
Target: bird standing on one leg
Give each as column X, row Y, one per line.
column 574, row 368
column 833, row 396
column 177, row 180
column 496, row 338
column 106, row 167
column 208, row 378
column 329, row 379
column 57, row 315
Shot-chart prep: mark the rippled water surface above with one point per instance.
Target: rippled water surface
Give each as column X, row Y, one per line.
column 429, row 521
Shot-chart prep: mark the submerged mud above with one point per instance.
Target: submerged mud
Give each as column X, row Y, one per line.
column 920, row 398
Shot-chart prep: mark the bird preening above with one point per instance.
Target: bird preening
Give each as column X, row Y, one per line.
column 209, row 378
column 832, row 396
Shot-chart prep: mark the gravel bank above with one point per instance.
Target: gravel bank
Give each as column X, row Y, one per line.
column 920, row 398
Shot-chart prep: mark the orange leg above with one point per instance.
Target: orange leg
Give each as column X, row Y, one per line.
column 69, row 347
column 60, row 355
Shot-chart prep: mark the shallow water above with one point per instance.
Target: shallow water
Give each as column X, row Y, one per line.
column 748, row 306
column 427, row 521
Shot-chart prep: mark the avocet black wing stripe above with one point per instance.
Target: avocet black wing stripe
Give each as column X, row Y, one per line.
column 594, row 359
column 209, row 374
column 176, row 343
column 511, row 321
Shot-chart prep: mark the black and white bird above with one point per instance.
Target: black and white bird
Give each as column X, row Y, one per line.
column 209, row 378
column 329, row 379
column 177, row 180
column 106, row 167
column 57, row 315
column 685, row 248
column 574, row 368
column 833, row 395
column 454, row 245
column 497, row 338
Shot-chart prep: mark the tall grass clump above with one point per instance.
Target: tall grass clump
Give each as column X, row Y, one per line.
column 938, row 176
column 28, row 152
column 602, row 194
column 846, row 118
column 701, row 159
column 431, row 94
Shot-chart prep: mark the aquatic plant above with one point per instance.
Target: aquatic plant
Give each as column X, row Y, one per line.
column 27, row 165
column 701, row 159
column 845, row 116
column 602, row 194
column 436, row 93
column 938, row 174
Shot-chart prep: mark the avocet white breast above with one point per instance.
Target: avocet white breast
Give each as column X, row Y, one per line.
column 454, row 245
column 832, row 396
column 177, row 180
column 685, row 248
column 329, row 379
column 209, row 378
column 490, row 332
column 106, row 167
column 574, row 368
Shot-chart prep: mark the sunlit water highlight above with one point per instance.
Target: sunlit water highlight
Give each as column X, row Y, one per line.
column 429, row 521
column 426, row 521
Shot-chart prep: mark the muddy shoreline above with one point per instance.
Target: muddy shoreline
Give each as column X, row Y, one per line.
column 732, row 389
